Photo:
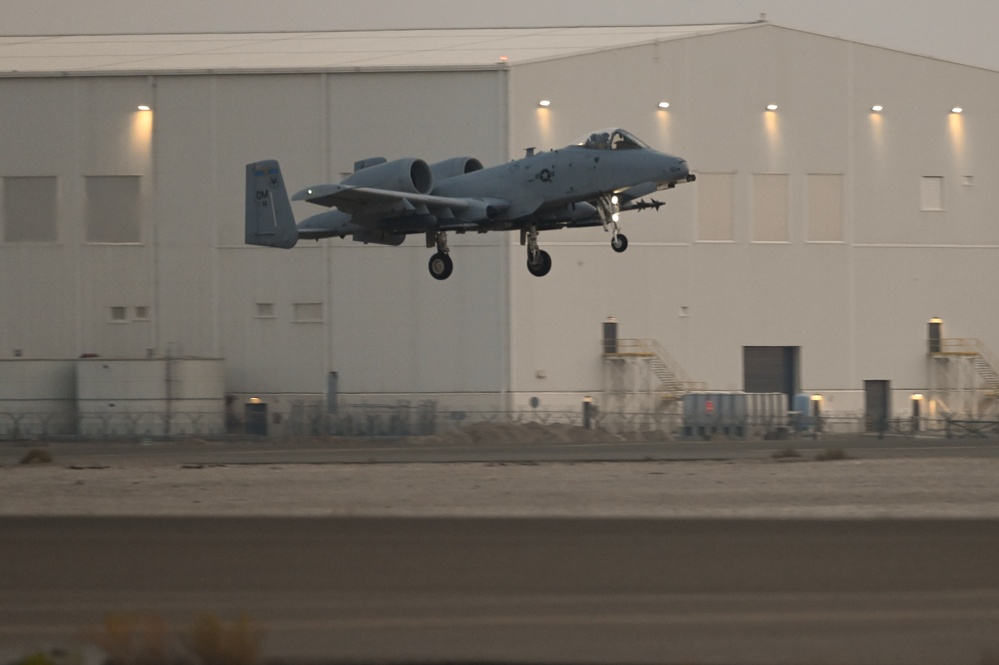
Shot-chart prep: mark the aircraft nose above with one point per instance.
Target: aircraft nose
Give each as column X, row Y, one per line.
column 676, row 169
column 687, row 175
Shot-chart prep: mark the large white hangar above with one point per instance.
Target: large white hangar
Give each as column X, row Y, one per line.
column 846, row 196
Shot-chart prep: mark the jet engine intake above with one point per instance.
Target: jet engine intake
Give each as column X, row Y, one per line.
column 403, row 175
column 455, row 166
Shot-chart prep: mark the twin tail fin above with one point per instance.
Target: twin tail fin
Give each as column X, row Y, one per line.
column 269, row 219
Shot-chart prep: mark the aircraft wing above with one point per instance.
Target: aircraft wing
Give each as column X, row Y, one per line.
column 355, row 200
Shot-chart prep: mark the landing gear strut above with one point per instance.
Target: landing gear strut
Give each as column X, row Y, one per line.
column 440, row 264
column 539, row 262
column 608, row 207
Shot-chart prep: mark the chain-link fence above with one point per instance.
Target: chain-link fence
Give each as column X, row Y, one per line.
column 94, row 426
column 406, row 419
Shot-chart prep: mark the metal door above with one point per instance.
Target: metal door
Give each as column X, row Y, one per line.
column 876, row 405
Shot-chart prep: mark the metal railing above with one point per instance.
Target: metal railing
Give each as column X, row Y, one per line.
column 652, row 349
column 970, row 346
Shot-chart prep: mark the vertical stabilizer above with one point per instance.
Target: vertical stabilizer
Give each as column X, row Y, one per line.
column 269, row 220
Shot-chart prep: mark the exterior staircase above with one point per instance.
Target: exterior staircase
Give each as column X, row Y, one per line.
column 673, row 381
column 982, row 359
column 985, row 364
column 987, row 371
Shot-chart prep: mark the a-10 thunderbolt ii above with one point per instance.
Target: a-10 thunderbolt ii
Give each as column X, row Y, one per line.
column 587, row 183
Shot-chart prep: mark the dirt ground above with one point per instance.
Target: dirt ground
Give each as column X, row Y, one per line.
column 525, row 434
column 959, row 487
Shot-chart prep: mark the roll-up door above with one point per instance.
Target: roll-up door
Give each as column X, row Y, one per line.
column 770, row 369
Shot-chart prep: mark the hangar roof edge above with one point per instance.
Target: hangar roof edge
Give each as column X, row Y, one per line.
column 451, row 49
column 377, row 50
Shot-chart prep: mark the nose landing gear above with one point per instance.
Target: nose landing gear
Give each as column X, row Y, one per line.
column 609, row 210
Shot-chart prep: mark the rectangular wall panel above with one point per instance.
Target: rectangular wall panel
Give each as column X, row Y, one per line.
column 770, row 203
column 825, row 207
column 112, row 212
column 714, row 206
column 29, row 209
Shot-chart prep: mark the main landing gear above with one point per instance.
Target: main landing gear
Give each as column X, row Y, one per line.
column 539, row 262
column 441, row 265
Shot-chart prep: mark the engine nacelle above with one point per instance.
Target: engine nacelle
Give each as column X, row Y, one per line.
column 455, row 166
column 378, row 237
column 403, row 175
column 480, row 210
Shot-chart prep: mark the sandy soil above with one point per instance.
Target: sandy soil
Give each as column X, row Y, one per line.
column 754, row 488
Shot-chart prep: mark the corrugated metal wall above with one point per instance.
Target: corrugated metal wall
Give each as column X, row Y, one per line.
column 856, row 307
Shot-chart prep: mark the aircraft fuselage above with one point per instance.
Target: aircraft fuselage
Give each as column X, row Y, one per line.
column 563, row 176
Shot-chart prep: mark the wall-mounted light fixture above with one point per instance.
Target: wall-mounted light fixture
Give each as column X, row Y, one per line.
column 771, row 107
column 957, row 109
column 877, row 108
column 664, row 105
column 143, row 107
column 545, row 103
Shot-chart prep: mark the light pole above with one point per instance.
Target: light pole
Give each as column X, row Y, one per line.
column 816, row 414
column 916, row 400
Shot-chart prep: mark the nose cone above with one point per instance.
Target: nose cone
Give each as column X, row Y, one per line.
column 674, row 169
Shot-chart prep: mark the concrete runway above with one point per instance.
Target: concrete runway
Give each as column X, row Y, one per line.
column 402, row 553
column 524, row 590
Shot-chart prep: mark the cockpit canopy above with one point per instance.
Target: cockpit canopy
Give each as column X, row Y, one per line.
column 611, row 139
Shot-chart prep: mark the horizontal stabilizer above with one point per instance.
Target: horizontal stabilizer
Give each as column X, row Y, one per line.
column 269, row 219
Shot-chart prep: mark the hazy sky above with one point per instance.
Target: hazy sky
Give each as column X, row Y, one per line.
column 960, row 30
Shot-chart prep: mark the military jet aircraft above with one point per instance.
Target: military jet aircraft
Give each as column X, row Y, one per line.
column 587, row 183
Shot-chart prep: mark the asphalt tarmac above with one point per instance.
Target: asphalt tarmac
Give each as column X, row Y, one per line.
column 523, row 590
column 605, row 553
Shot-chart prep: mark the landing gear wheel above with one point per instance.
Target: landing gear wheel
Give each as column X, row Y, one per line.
column 541, row 265
column 440, row 266
column 619, row 243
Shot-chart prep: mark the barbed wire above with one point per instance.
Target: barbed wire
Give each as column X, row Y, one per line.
column 308, row 419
